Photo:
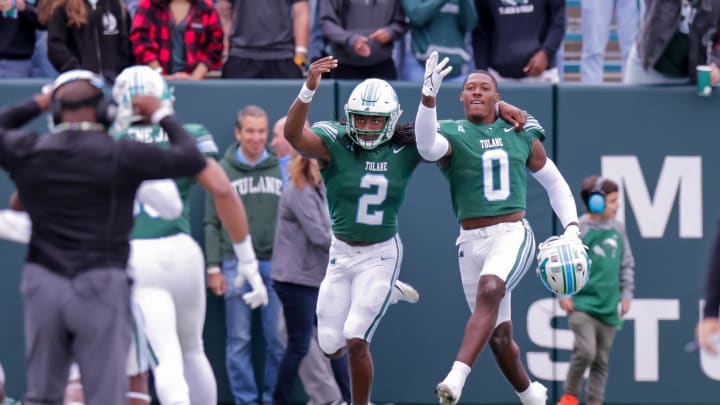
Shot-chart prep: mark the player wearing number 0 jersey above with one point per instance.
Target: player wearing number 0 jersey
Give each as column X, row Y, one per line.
column 168, row 264
column 366, row 163
column 485, row 161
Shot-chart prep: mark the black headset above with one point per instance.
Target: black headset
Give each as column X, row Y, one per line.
column 105, row 107
column 596, row 198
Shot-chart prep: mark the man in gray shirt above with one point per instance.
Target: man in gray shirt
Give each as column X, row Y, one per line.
column 268, row 40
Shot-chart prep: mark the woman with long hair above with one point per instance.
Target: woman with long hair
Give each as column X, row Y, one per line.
column 300, row 256
column 88, row 34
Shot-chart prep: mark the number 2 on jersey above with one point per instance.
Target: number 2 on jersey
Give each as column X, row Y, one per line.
column 366, row 200
column 494, row 159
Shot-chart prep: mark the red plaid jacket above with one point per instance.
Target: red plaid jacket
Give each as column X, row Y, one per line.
column 152, row 40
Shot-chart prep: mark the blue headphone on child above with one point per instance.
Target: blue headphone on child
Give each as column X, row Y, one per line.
column 596, row 199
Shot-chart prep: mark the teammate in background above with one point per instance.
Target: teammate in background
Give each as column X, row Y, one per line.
column 593, row 311
column 168, row 264
column 484, row 161
column 366, row 163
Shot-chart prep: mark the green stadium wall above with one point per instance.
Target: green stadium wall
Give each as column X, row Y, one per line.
column 657, row 142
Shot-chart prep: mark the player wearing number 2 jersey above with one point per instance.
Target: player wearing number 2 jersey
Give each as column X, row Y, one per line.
column 485, row 162
column 366, row 163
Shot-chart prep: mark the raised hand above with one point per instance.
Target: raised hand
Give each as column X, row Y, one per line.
column 434, row 74
column 316, row 70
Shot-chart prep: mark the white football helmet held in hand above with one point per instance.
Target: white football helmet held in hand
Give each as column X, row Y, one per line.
column 434, row 74
column 138, row 80
column 563, row 265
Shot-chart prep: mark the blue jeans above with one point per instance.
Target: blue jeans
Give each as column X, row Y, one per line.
column 41, row 66
column 15, row 69
column 238, row 352
column 596, row 17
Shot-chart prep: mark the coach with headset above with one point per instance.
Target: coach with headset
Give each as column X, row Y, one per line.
column 78, row 186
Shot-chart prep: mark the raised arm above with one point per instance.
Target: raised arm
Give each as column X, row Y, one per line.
column 431, row 145
column 303, row 139
column 561, row 197
column 146, row 161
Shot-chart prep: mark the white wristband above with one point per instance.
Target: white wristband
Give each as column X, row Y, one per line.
column 161, row 113
column 306, row 95
column 213, row 270
column 301, row 49
column 244, row 251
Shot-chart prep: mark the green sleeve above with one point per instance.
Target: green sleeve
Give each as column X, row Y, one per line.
column 213, row 234
column 533, row 129
column 204, row 140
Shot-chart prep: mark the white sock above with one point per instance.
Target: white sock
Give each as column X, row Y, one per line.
column 458, row 374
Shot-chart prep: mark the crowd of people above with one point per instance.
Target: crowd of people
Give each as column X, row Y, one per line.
column 284, row 233
column 390, row 40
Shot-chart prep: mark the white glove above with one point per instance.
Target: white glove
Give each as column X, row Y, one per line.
column 434, row 74
column 249, row 271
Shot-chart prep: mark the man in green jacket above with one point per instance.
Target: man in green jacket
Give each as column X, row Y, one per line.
column 256, row 177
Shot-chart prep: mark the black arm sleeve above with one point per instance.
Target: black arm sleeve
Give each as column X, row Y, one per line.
column 19, row 114
column 712, row 282
column 146, row 161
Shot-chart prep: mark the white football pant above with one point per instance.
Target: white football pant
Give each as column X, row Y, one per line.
column 170, row 290
column 355, row 292
column 506, row 250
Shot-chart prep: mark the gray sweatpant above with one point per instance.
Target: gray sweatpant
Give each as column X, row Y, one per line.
column 86, row 318
column 593, row 341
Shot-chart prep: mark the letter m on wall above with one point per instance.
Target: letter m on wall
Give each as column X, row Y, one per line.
column 680, row 176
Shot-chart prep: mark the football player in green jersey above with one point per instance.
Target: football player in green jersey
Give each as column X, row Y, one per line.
column 168, row 264
column 485, row 162
column 366, row 163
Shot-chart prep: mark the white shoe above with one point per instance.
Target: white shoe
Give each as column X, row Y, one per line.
column 447, row 393
column 538, row 395
column 404, row 292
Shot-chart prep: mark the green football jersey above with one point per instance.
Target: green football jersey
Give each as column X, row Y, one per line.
column 365, row 188
column 486, row 170
column 147, row 223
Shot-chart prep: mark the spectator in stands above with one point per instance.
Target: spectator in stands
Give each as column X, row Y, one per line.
column 674, row 38
column 441, row 25
column 89, row 35
column 518, row 40
column 256, row 177
column 595, row 25
column 361, row 35
column 183, row 38
column 18, row 22
column 269, row 39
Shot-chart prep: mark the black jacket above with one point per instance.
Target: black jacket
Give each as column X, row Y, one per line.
column 17, row 34
column 78, row 186
column 103, row 42
column 659, row 24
